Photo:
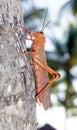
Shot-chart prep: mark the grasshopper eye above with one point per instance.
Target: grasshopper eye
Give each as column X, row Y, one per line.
column 41, row 32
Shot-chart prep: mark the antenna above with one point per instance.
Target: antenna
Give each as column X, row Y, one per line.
column 44, row 25
column 45, row 18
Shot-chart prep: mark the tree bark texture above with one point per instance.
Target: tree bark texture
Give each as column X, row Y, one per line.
column 17, row 89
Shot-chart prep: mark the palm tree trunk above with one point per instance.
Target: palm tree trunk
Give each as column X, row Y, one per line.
column 17, row 92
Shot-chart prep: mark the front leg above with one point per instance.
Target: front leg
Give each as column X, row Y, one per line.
column 28, row 31
column 27, row 52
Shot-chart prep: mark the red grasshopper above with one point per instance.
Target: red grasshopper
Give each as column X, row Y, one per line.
column 40, row 67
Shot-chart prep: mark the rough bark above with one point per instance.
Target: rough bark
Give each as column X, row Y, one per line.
column 17, row 95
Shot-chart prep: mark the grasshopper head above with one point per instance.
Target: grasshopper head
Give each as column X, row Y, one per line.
column 38, row 38
column 37, row 34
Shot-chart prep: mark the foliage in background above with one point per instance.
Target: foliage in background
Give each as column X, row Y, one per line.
column 64, row 57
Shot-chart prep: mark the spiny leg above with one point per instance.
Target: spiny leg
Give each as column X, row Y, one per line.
column 56, row 76
column 45, row 87
column 47, row 68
